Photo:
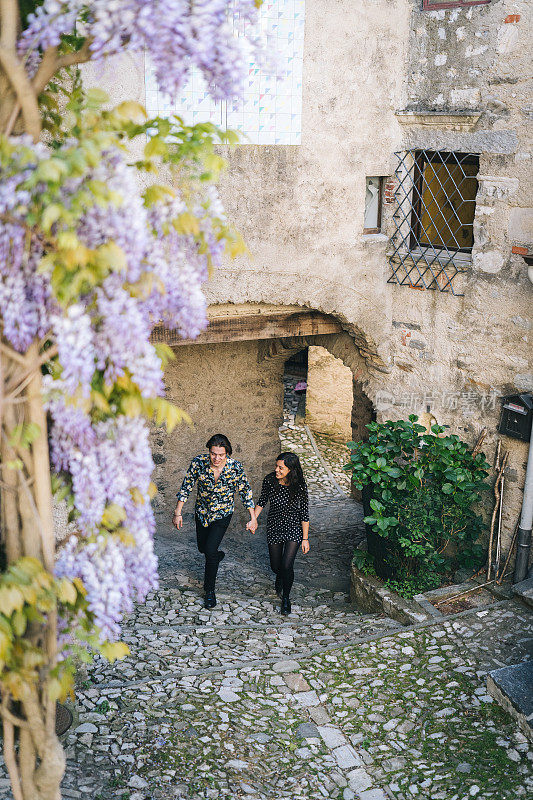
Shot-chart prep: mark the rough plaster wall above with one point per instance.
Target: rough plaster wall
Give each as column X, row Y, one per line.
column 226, row 390
column 329, row 396
column 301, row 208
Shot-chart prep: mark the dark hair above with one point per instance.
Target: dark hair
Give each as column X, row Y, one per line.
column 296, row 476
column 219, row 440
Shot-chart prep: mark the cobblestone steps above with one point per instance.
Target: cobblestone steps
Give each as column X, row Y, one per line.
column 240, row 703
column 173, row 634
column 400, row 713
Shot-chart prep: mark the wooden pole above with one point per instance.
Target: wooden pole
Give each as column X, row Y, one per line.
column 497, row 495
column 511, row 548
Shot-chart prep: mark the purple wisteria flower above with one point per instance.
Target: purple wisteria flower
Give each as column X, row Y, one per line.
column 178, row 34
column 148, row 271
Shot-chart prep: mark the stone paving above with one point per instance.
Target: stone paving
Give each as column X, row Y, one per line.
column 240, row 703
column 373, row 713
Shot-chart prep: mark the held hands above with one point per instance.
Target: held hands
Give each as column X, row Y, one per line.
column 177, row 520
column 251, row 526
column 305, row 545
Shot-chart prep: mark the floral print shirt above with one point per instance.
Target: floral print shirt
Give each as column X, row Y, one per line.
column 214, row 499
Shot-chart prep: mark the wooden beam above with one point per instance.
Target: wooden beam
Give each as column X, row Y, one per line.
column 240, row 328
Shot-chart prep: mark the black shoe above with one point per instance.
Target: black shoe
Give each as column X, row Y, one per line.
column 221, row 555
column 279, row 585
column 285, row 606
column 210, row 600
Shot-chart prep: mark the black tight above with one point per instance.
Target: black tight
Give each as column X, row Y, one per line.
column 282, row 562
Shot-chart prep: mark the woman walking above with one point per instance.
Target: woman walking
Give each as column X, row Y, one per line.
column 219, row 476
column 287, row 521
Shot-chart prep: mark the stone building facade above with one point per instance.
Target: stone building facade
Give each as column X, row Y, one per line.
column 391, row 76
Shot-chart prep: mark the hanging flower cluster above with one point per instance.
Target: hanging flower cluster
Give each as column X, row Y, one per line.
column 178, row 34
column 90, row 263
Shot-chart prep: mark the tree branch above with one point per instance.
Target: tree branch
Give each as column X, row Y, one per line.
column 47, row 68
column 51, row 65
column 10, row 759
column 19, row 383
column 26, row 95
column 13, row 354
column 18, row 722
column 9, row 24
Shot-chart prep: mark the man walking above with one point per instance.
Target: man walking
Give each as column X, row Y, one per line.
column 219, row 476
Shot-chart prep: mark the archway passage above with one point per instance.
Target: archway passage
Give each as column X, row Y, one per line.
column 231, row 381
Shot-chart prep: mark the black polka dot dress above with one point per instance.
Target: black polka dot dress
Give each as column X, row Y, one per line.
column 285, row 513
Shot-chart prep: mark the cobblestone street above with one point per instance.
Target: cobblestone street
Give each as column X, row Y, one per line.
column 240, row 702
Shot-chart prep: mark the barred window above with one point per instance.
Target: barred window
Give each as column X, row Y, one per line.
column 434, row 218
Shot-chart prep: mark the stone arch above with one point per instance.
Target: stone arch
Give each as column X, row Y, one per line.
column 344, row 347
column 230, row 380
column 362, row 363
column 359, row 356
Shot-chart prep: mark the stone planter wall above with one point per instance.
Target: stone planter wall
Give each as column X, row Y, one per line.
column 369, row 593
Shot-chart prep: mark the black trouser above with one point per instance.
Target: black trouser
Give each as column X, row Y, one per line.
column 208, row 538
column 282, row 562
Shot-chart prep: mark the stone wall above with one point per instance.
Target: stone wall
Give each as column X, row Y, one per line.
column 329, row 397
column 226, row 390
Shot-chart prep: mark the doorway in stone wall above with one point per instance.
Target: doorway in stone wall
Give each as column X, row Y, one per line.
column 318, row 410
column 247, row 363
column 323, row 409
column 295, row 387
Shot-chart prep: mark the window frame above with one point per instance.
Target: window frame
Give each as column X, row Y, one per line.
column 381, row 180
column 422, row 158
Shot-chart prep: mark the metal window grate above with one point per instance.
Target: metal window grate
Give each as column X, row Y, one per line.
column 433, row 221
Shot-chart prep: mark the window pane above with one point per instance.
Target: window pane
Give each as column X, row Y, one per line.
column 448, row 204
column 372, row 201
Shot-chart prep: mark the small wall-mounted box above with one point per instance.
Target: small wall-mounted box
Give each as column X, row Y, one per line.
column 517, row 415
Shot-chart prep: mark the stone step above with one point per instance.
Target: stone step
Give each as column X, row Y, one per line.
column 512, row 688
column 524, row 591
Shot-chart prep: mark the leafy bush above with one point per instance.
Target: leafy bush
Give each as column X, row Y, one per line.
column 364, row 562
column 424, row 489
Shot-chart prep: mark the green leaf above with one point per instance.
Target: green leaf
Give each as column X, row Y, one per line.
column 187, row 224
column 156, row 194
column 50, row 215
column 131, row 111
column 447, row 488
column 114, row 650
column 155, row 147
column 113, row 515
column 96, row 97
column 18, row 622
column 394, row 472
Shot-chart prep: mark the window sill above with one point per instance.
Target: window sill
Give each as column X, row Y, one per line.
column 416, row 255
column 367, row 238
column 451, row 120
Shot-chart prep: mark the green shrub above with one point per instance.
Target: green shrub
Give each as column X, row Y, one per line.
column 425, row 488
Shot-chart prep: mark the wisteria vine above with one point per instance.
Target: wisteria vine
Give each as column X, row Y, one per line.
column 90, row 263
column 178, row 34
